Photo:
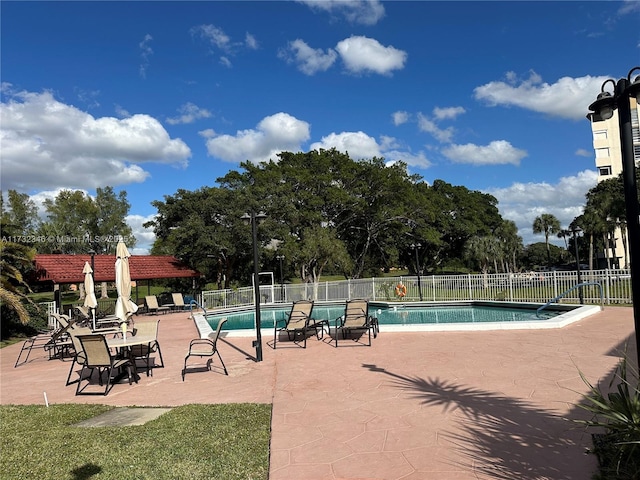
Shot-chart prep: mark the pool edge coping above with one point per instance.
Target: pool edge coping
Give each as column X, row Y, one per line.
column 567, row 318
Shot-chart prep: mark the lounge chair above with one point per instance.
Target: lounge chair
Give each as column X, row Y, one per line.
column 178, row 301
column 42, row 339
column 152, row 305
column 97, row 356
column 59, row 345
column 205, row 347
column 298, row 323
column 150, row 329
column 356, row 318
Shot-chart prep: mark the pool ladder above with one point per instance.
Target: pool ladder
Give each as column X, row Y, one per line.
column 563, row 294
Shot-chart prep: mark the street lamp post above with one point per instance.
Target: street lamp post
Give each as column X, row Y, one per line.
column 603, row 108
column 416, row 246
column 281, row 258
column 253, row 218
column 575, row 244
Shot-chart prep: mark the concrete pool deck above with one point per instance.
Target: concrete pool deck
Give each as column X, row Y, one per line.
column 419, row 405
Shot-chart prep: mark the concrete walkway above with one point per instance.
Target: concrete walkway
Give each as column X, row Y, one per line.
column 415, row 405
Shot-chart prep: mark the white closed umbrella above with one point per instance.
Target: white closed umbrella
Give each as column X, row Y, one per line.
column 125, row 308
column 90, row 300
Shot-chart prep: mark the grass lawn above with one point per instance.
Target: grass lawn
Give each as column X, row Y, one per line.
column 227, row 442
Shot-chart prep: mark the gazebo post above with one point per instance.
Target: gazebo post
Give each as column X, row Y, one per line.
column 57, row 297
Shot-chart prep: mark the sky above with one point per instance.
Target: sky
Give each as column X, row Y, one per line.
column 151, row 97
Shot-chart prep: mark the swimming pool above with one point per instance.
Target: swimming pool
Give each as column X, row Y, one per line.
column 416, row 316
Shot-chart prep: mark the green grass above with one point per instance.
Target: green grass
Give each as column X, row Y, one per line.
column 227, row 442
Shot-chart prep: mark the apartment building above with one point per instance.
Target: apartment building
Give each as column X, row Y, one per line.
column 608, row 156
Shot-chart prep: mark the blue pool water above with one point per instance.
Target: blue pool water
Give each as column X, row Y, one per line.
column 390, row 315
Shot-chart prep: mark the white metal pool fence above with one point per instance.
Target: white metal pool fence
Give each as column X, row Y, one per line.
column 512, row 287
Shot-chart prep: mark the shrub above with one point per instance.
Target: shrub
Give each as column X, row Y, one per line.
column 617, row 414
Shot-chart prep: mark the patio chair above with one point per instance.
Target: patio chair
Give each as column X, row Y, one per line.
column 356, row 318
column 205, row 347
column 298, row 323
column 144, row 352
column 178, row 301
column 152, row 305
column 78, row 356
column 97, row 356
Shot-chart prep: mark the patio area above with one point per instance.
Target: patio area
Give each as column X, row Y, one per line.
column 415, row 405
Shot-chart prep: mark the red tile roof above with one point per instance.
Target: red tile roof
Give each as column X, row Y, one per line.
column 64, row 269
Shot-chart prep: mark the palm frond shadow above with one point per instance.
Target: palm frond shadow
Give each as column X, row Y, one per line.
column 505, row 438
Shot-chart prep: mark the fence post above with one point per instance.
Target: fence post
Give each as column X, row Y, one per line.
column 510, row 277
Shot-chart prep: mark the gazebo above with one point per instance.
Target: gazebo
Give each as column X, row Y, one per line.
column 61, row 269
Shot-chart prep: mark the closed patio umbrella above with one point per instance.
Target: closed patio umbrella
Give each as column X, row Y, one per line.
column 90, row 300
column 125, row 308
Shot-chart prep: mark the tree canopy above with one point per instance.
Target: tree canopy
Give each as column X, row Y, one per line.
column 326, row 213
column 76, row 222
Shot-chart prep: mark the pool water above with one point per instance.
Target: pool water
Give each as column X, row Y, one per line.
column 389, row 315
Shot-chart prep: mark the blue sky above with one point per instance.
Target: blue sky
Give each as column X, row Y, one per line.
column 152, row 97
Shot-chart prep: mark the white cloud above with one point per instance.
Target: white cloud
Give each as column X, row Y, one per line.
column 250, row 41
column 400, row 117
column 448, row 113
column 47, row 144
column 144, row 236
column 523, row 202
column 443, row 135
column 309, row 60
column 581, row 152
column 363, row 55
column 567, row 98
column 361, row 146
column 88, row 97
column 274, row 134
column 498, row 152
column 214, row 35
column 629, row 7
column 121, row 111
column 189, row 114
column 418, row 160
column 145, row 52
column 363, row 12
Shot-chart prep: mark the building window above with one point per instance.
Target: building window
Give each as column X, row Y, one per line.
column 600, row 135
column 604, row 171
column 602, row 152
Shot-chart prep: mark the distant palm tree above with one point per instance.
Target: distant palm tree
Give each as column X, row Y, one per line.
column 549, row 225
column 13, row 257
column 564, row 234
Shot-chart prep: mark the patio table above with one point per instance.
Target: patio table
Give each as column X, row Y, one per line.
column 123, row 345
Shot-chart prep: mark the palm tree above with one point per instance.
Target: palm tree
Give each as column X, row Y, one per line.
column 507, row 234
column 14, row 257
column 564, row 234
column 549, row 225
